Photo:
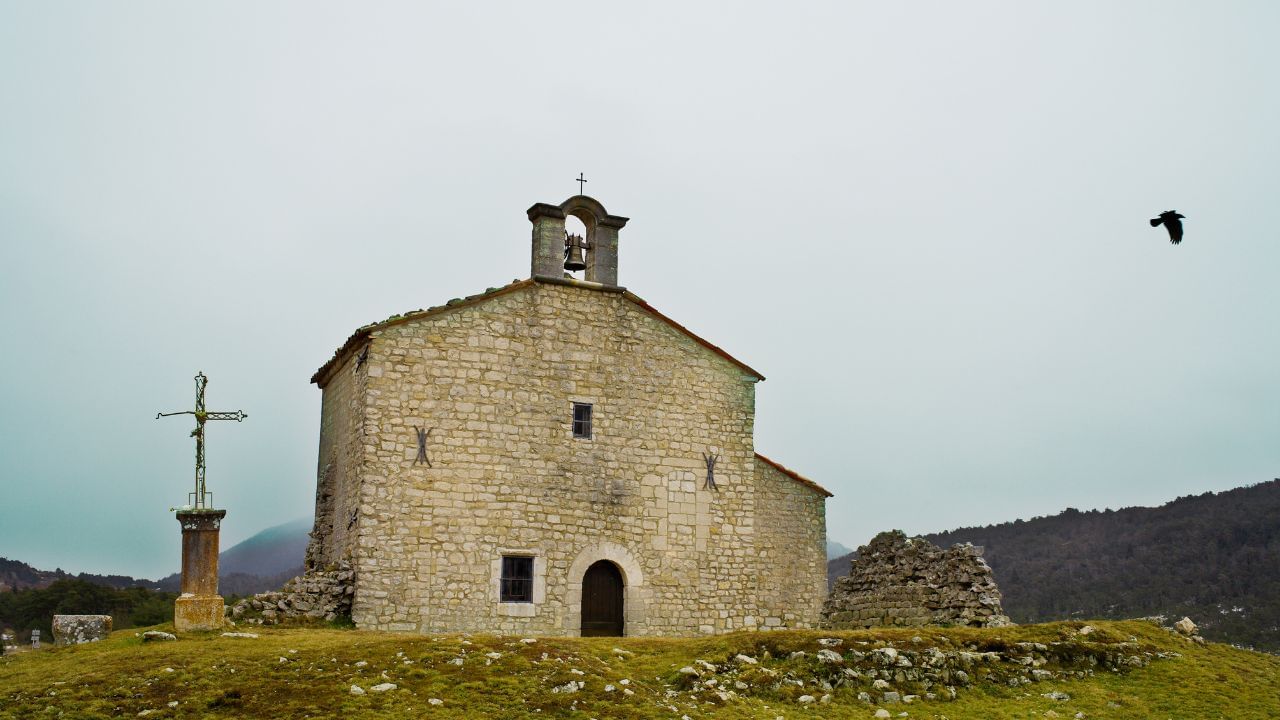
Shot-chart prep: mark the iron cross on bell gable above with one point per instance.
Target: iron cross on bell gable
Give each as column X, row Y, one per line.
column 200, row 494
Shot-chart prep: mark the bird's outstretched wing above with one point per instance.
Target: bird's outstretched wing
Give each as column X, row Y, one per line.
column 1172, row 222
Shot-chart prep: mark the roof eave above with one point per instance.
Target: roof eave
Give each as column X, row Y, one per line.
column 321, row 376
column 692, row 335
column 795, row 476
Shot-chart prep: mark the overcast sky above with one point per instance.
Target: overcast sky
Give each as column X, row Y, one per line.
column 925, row 223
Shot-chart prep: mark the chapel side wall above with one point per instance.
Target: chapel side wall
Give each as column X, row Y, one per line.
column 333, row 535
column 495, row 382
column 792, row 546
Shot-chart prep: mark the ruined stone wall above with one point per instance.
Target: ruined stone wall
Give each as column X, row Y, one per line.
column 897, row 580
column 315, row 596
column 338, row 467
column 791, row 547
column 495, row 383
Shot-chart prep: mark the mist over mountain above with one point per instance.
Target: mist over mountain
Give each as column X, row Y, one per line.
column 260, row 563
column 835, row 550
column 1214, row 557
column 269, row 552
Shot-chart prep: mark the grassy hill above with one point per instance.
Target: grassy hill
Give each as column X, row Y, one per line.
column 296, row 673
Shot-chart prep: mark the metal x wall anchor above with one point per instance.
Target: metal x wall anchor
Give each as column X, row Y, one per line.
column 422, row 446
column 199, row 496
column 710, row 460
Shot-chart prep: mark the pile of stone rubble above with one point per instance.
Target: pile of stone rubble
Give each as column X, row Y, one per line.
column 897, row 580
column 881, row 673
column 317, row 595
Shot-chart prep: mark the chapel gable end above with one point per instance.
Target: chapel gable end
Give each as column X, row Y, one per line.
column 548, row 456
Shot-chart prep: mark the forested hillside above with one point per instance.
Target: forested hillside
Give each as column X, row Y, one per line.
column 34, row 607
column 1214, row 557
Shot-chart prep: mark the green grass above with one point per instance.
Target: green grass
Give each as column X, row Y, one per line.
column 214, row 677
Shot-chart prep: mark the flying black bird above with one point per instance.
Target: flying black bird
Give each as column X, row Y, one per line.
column 1172, row 222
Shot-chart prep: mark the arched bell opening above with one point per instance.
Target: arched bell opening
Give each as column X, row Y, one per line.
column 577, row 245
column 603, row 600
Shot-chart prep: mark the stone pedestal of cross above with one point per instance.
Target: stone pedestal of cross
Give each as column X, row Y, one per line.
column 200, row 607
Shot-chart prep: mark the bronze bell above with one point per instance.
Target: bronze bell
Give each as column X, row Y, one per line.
column 574, row 257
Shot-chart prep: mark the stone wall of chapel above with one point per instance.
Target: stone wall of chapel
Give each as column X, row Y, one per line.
column 496, row 381
column 792, row 546
column 333, row 535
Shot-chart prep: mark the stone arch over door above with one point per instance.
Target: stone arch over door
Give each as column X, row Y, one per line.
column 635, row 593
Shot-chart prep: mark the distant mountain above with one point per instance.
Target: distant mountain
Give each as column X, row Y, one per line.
column 835, row 550
column 263, row 562
column 1214, row 557
column 270, row 552
column 17, row 575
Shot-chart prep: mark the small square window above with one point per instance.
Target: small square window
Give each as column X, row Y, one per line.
column 517, row 579
column 582, row 420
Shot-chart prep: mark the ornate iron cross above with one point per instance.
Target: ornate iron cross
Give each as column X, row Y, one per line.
column 580, row 181
column 199, row 496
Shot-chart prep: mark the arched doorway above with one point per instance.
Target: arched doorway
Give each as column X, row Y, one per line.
column 602, row 607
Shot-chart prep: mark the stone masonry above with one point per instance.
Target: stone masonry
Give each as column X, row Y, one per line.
column 319, row 595
column 491, row 381
column 897, row 580
column 199, row 607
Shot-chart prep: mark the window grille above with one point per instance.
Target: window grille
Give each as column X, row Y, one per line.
column 517, row 579
column 582, row 420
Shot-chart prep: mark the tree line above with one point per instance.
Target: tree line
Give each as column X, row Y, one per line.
column 30, row 609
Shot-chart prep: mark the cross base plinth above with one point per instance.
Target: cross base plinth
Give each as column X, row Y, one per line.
column 199, row 612
column 200, row 607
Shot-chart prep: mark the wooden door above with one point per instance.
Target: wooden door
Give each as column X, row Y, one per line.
column 602, row 611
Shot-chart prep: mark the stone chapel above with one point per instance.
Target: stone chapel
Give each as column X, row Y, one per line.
column 558, row 457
